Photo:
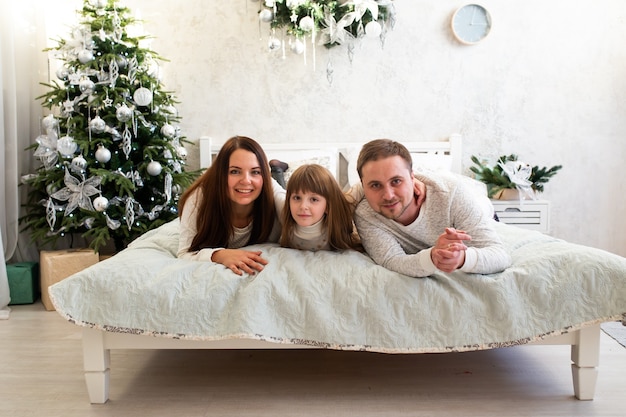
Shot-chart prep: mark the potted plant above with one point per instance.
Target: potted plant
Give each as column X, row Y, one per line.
column 505, row 179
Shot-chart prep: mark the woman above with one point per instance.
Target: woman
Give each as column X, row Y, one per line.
column 230, row 206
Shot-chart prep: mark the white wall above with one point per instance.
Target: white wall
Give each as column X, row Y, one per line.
column 549, row 84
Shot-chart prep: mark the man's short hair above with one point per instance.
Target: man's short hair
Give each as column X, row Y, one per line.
column 380, row 149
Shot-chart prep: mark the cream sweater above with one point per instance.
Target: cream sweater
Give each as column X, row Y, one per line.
column 188, row 228
column 449, row 203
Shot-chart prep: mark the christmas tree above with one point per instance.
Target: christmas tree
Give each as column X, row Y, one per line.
column 112, row 156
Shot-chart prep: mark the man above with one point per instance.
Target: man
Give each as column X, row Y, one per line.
column 417, row 235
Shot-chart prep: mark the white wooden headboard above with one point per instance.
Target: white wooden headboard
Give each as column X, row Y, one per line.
column 341, row 158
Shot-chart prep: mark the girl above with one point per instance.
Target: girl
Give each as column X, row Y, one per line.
column 317, row 215
column 230, row 206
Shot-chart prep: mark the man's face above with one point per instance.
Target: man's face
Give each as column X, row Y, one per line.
column 388, row 187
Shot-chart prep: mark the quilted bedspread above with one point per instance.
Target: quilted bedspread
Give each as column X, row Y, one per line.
column 346, row 301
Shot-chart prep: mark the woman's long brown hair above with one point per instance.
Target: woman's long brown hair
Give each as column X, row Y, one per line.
column 213, row 220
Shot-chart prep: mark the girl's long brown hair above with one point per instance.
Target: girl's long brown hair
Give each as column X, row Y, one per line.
column 214, row 221
column 338, row 219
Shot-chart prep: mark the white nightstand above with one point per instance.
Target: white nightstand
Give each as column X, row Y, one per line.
column 530, row 214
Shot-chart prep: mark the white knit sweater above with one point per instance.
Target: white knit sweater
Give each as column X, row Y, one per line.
column 240, row 238
column 449, row 203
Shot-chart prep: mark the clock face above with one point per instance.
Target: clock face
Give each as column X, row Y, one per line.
column 471, row 23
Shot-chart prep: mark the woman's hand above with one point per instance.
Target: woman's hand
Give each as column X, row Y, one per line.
column 448, row 254
column 239, row 260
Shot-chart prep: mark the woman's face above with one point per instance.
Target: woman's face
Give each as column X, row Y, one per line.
column 245, row 181
column 307, row 208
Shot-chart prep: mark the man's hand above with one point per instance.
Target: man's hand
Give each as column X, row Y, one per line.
column 448, row 254
column 240, row 261
column 419, row 189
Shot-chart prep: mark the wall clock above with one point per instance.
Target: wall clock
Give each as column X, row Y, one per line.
column 471, row 24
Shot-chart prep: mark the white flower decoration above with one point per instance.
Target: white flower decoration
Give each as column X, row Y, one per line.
column 77, row 193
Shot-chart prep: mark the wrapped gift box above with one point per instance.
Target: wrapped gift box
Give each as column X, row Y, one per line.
column 60, row 264
column 23, row 282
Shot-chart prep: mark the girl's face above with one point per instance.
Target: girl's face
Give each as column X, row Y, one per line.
column 245, row 181
column 307, row 208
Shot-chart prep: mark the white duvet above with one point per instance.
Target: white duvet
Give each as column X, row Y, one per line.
column 344, row 300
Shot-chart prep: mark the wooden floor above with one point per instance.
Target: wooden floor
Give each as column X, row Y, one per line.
column 41, row 375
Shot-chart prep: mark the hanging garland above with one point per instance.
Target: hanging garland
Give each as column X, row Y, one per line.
column 335, row 21
column 327, row 22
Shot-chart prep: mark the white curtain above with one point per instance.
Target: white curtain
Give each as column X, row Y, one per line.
column 23, row 66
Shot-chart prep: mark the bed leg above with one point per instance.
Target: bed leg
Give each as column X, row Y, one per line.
column 96, row 362
column 585, row 358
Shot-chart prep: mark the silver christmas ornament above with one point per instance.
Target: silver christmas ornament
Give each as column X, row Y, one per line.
column 49, row 122
column 142, row 96
column 66, row 146
column 154, row 168
column 297, row 47
column 51, row 188
column 170, row 109
column 182, row 152
column 122, row 62
column 168, row 131
column 78, row 164
column 273, row 43
column 154, row 70
column 98, row 3
column 266, row 15
column 62, row 73
column 103, row 155
column 373, row 29
column 124, row 113
column 86, row 86
column 100, row 203
column 306, row 23
column 97, row 125
column 85, row 56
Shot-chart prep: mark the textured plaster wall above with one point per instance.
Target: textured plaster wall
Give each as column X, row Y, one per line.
column 549, row 84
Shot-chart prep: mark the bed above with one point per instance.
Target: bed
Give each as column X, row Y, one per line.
column 145, row 298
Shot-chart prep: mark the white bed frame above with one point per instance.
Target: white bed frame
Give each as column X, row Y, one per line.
column 446, row 154
column 97, row 344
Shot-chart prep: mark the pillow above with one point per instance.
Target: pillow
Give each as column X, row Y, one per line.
column 432, row 161
column 421, row 161
column 320, row 160
column 297, row 156
column 352, row 155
